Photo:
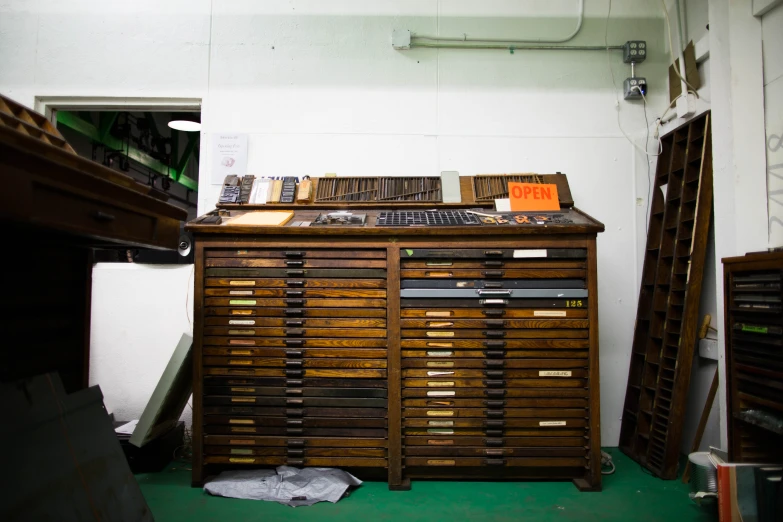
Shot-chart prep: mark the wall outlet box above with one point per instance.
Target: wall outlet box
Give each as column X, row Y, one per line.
column 632, row 86
column 401, row 39
column 634, row 51
column 708, row 349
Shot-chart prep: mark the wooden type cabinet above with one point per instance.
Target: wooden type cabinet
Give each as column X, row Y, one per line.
column 416, row 353
column 754, row 356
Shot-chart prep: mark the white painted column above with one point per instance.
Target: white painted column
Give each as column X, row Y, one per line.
column 739, row 164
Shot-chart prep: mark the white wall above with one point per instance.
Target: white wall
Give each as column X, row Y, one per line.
column 319, row 89
column 772, row 47
column 139, row 313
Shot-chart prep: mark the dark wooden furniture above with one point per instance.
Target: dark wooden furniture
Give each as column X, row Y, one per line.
column 667, row 315
column 754, row 356
column 308, row 350
column 56, row 208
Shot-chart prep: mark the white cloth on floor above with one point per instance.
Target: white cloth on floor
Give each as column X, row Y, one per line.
column 286, row 485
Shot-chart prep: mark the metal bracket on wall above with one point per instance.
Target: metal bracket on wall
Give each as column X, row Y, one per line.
column 101, row 135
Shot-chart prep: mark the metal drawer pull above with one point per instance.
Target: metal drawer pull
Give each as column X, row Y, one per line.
column 294, row 332
column 495, row 393
column 294, row 263
column 493, row 273
column 495, row 333
column 494, row 263
column 294, row 402
column 294, row 302
column 495, row 462
column 103, row 217
column 294, row 431
column 493, row 252
column 294, row 322
column 494, row 313
column 494, row 423
column 490, row 442
column 296, row 443
column 494, row 354
column 493, row 292
column 494, row 374
column 494, row 363
column 495, row 344
column 293, row 311
column 294, row 354
column 296, row 413
column 494, row 433
column 294, row 254
column 494, row 414
column 294, row 383
column 493, row 302
column 294, row 293
column 294, row 272
column 295, row 462
column 293, row 391
column 494, row 452
column 294, row 342
column 495, row 404
column 295, row 452
column 294, row 363
column 295, row 282
column 495, row 384
column 495, row 323
column 294, row 373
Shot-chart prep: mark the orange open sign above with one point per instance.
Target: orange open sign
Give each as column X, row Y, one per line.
column 533, row 196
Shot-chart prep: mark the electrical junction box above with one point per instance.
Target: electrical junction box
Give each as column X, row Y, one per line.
column 634, row 51
column 401, row 39
column 632, row 88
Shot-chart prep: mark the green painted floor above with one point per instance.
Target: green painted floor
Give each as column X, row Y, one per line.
column 629, row 495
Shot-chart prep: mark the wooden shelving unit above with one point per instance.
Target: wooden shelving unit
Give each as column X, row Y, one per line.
column 667, row 314
column 754, row 356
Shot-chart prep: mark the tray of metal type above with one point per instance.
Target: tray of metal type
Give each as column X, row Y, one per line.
column 423, row 218
column 513, row 293
column 480, row 283
column 493, row 302
column 495, row 253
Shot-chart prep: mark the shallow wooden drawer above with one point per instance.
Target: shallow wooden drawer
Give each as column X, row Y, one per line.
column 494, row 393
column 297, row 374
column 509, row 356
column 502, row 413
column 500, row 442
column 295, row 302
column 319, row 273
column 307, row 461
column 499, row 424
column 295, row 453
column 446, row 264
column 296, row 253
column 409, row 333
column 295, row 363
column 458, row 373
column 549, row 367
column 295, row 332
column 284, row 394
column 296, row 402
column 493, row 432
column 293, row 293
column 218, row 282
column 449, row 402
column 497, row 461
column 236, row 430
column 322, row 417
column 433, row 383
column 244, row 311
column 462, row 451
column 494, row 253
column 441, row 313
column 307, row 442
column 296, row 353
column 293, row 342
column 293, row 384
column 493, row 273
column 496, row 344
column 86, row 216
column 295, row 263
column 448, row 323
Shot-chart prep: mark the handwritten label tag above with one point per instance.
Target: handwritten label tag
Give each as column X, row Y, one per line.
column 441, row 423
column 250, row 302
column 439, row 462
column 238, row 460
column 240, row 421
column 440, row 364
column 441, row 393
column 554, row 373
column 440, row 354
column 552, row 423
column 241, row 312
column 246, row 322
column 440, row 384
column 438, row 374
column 244, row 442
column 548, row 313
column 533, row 196
column 242, row 283
column 440, row 334
column 530, row 253
column 440, row 432
column 240, row 451
column 432, row 313
column 240, row 292
column 440, row 413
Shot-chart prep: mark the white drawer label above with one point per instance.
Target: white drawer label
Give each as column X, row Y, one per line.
column 530, row 253
column 440, row 432
column 440, row 384
column 441, row 393
column 554, row 373
column 242, row 321
column 440, row 423
column 438, row 374
column 548, row 313
column 240, row 292
column 552, row 423
column 440, row 364
column 440, row 354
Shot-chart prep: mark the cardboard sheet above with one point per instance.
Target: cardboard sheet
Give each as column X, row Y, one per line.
column 263, row 218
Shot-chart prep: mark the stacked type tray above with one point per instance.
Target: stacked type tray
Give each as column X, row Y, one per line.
column 495, row 348
column 754, row 357
column 294, row 357
column 669, row 299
